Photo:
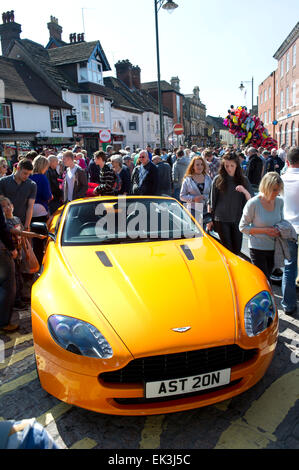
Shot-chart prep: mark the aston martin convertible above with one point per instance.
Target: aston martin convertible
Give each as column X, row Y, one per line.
column 138, row 311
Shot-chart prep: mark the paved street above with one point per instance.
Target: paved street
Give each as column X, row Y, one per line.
column 267, row 416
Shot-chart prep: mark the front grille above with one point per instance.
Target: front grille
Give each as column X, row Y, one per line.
column 171, row 366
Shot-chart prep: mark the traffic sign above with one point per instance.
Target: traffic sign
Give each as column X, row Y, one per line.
column 178, row 129
column 105, row 136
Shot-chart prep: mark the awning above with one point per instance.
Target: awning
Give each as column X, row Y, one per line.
column 17, row 136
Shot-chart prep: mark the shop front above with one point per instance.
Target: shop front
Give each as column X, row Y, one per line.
column 16, row 144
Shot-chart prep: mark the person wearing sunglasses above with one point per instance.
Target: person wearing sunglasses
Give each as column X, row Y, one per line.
column 145, row 176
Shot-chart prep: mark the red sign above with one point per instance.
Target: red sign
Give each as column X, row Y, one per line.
column 178, row 129
column 105, row 136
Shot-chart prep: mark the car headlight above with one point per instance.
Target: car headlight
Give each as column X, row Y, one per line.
column 79, row 337
column 259, row 313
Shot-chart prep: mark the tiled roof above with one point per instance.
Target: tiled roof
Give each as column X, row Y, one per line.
column 74, row 53
column 40, row 55
column 48, row 60
column 165, row 86
column 120, row 99
column 22, row 84
column 133, row 98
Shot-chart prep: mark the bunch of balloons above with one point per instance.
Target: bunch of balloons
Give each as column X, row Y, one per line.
column 250, row 129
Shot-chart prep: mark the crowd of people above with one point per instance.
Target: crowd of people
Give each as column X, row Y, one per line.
column 244, row 190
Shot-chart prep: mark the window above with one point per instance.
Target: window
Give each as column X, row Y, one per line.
column 85, row 109
column 157, row 127
column 261, row 98
column 269, row 118
column 281, row 100
column 281, row 68
column 294, row 55
column 288, row 62
column 269, row 93
column 265, row 96
column 294, row 94
column 97, row 109
column 178, row 108
column 83, row 76
column 286, row 138
column 5, row 116
column 56, row 123
column 133, row 123
column 118, row 127
column 287, row 97
column 293, row 139
column 95, row 72
column 91, row 71
column 265, row 117
column 280, row 135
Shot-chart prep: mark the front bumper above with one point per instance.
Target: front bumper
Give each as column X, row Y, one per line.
column 91, row 393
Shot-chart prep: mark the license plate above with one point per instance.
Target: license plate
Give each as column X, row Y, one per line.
column 196, row 383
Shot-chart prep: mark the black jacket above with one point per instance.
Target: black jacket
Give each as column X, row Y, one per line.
column 272, row 162
column 53, row 176
column 164, row 179
column 125, row 177
column 254, row 169
column 5, row 235
column 94, row 172
column 149, row 184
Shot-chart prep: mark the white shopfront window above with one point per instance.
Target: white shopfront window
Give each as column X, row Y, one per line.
column 5, row 117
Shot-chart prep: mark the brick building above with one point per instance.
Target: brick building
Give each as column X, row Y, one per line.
column 279, row 93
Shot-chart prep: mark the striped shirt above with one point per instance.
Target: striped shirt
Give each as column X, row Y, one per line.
column 107, row 180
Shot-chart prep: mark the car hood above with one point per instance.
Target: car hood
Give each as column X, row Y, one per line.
column 145, row 290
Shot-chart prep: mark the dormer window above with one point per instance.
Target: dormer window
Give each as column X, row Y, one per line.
column 83, row 76
column 90, row 71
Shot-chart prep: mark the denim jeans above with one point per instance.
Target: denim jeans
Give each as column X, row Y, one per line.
column 288, row 286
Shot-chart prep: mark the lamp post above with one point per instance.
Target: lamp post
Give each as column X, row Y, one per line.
column 170, row 6
column 242, row 88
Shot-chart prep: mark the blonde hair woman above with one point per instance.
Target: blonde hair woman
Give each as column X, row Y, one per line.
column 196, row 185
column 260, row 215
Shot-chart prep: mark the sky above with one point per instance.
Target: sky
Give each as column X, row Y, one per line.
column 213, row 44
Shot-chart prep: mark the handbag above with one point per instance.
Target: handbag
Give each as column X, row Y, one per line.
column 29, row 263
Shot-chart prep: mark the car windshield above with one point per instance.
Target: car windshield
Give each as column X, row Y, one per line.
column 126, row 220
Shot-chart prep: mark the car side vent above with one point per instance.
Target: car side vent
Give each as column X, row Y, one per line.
column 187, row 252
column 104, row 259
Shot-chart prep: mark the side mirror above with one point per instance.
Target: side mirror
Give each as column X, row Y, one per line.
column 42, row 229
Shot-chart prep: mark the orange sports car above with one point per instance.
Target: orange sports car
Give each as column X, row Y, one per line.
column 138, row 311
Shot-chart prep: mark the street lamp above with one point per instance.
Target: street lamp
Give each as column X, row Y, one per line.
column 170, row 6
column 242, row 88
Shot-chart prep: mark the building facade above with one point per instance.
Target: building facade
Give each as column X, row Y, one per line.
column 194, row 115
column 279, row 93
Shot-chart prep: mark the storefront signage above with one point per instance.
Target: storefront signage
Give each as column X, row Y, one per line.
column 71, row 121
column 105, row 136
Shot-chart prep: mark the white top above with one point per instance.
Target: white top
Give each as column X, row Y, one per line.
column 291, row 197
column 282, row 154
column 70, row 178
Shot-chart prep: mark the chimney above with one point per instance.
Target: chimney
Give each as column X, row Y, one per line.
column 80, row 37
column 136, row 77
column 9, row 31
column 124, row 72
column 76, row 38
column 196, row 92
column 54, row 29
column 175, row 83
